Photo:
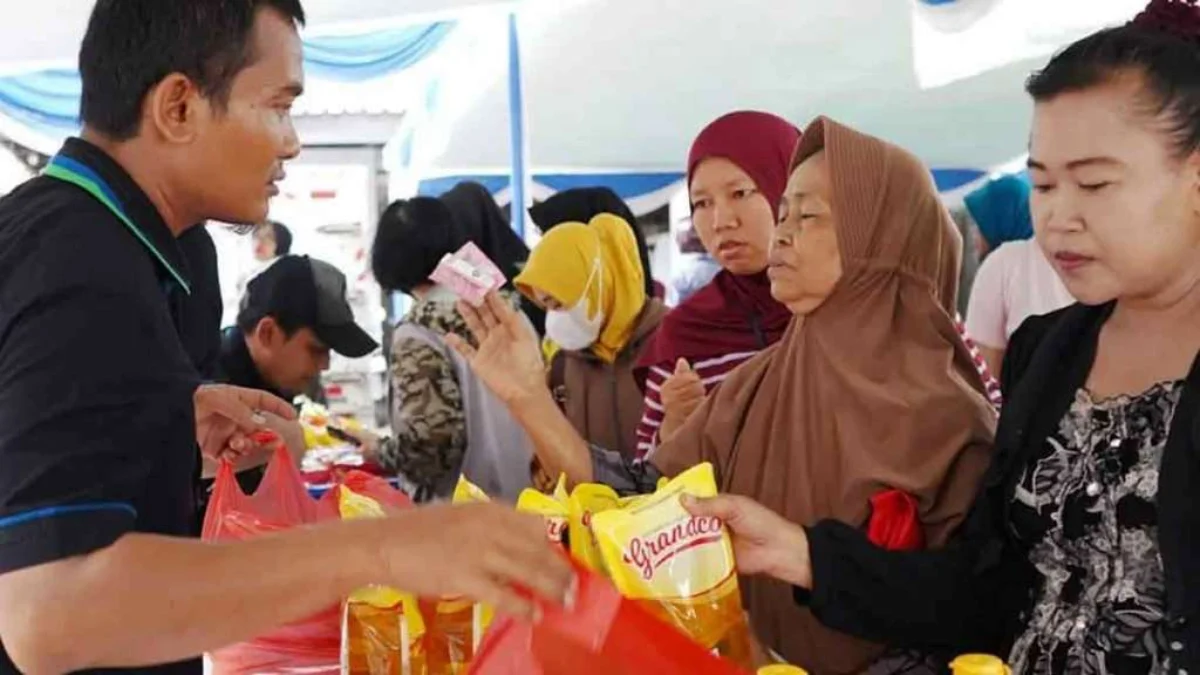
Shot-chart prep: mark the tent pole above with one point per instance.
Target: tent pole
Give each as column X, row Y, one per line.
column 516, row 113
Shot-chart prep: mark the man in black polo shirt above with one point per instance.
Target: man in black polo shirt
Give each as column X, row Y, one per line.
column 186, row 114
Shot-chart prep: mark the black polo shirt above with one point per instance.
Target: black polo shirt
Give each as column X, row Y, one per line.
column 97, row 435
column 202, row 319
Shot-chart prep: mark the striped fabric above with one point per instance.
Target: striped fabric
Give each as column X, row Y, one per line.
column 990, row 383
column 713, row 371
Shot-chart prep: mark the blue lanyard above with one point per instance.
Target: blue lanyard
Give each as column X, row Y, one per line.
column 78, row 174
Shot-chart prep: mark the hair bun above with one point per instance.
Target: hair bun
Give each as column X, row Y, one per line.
column 1177, row 17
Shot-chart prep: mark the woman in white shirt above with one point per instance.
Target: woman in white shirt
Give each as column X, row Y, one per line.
column 1015, row 280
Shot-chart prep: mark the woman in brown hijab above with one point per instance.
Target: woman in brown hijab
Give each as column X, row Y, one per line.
column 870, row 391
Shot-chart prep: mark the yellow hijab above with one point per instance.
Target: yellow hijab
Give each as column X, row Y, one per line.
column 563, row 262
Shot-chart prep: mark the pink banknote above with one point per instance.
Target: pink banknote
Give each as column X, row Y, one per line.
column 469, row 273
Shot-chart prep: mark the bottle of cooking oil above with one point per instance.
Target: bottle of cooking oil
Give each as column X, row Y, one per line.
column 979, row 664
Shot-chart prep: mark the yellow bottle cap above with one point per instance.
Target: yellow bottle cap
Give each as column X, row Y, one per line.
column 781, row 669
column 979, row 664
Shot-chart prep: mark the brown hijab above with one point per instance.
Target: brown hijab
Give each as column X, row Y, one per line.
column 872, row 391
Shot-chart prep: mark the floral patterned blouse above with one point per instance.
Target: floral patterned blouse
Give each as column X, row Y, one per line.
column 1087, row 508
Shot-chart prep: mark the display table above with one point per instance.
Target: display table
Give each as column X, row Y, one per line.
column 323, row 467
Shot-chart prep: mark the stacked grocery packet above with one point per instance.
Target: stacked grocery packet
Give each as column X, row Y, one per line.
column 388, row 632
column 678, row 567
column 455, row 626
column 382, row 629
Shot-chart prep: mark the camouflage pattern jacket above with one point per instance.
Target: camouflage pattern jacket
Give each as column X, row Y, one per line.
column 429, row 426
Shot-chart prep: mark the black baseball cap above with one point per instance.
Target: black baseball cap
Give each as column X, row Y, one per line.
column 309, row 293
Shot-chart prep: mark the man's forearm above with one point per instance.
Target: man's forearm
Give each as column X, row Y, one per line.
column 557, row 444
column 175, row 598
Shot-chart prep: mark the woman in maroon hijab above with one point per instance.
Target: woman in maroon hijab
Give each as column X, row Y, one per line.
column 737, row 169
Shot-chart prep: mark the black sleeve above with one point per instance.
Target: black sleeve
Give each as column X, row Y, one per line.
column 1021, row 347
column 935, row 600
column 1190, row 661
column 92, row 400
column 626, row 477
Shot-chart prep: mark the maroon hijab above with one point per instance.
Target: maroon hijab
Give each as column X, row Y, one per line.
column 732, row 313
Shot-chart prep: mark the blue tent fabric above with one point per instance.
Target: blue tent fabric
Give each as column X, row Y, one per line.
column 627, row 185
column 354, row 58
column 633, row 185
column 436, row 187
column 47, row 101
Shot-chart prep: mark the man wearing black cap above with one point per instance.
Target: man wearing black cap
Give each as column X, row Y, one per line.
column 293, row 314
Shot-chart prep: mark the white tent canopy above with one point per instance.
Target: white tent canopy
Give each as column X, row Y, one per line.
column 46, row 33
column 12, row 171
column 619, row 86
column 332, row 112
column 958, row 39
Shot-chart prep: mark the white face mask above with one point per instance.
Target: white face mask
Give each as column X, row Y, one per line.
column 571, row 329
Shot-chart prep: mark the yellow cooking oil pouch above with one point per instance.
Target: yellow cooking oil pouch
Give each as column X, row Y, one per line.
column 456, row 625
column 382, row 629
column 382, row 633
column 586, row 500
column 466, row 492
column 550, row 508
column 560, row 489
column 679, row 566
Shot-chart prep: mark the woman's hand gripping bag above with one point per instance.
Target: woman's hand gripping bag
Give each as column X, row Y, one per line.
column 679, row 566
column 282, row 501
column 602, row 634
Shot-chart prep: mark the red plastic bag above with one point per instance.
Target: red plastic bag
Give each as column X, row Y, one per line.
column 312, row 645
column 895, row 522
column 605, row 634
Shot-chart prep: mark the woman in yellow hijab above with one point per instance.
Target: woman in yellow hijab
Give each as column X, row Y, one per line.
column 590, row 280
